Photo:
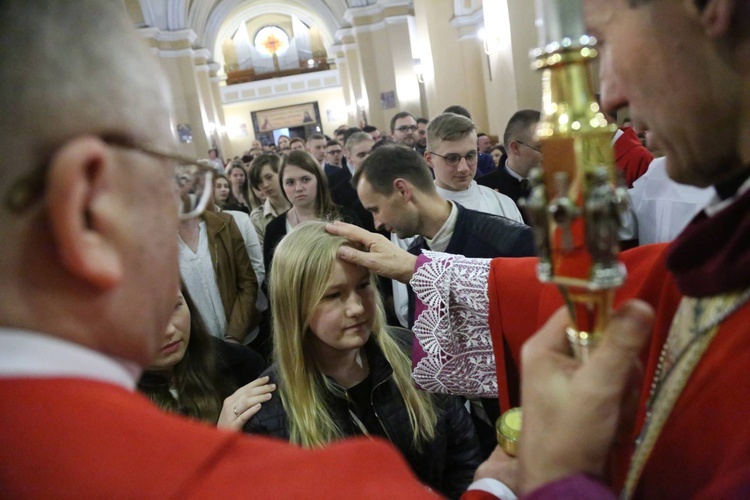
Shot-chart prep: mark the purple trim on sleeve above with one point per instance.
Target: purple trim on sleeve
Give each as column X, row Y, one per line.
column 575, row 487
column 419, row 307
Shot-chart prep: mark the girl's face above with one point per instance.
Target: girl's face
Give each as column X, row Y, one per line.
column 342, row 320
column 496, row 155
column 300, row 186
column 176, row 338
column 221, row 190
column 269, row 182
column 237, row 176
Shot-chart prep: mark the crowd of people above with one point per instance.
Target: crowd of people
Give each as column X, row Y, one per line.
column 366, row 298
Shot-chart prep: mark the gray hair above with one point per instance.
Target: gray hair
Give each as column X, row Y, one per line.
column 356, row 138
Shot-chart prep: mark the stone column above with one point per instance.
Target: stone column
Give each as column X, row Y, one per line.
column 383, row 49
column 451, row 57
column 510, row 83
column 175, row 52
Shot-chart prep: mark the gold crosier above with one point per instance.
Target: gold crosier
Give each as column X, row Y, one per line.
column 575, row 202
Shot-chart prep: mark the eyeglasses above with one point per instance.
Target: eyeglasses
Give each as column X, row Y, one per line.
column 453, row 159
column 334, row 152
column 529, row 146
column 407, row 128
column 192, row 178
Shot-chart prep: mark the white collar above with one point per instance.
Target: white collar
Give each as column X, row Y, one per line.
column 512, row 173
column 451, row 195
column 268, row 209
column 618, row 134
column 27, row 354
column 441, row 239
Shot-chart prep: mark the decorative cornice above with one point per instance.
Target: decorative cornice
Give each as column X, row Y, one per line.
column 173, row 54
column 358, row 12
column 204, row 53
column 342, row 34
column 403, row 18
column 374, row 10
column 474, row 19
column 368, row 28
column 185, row 35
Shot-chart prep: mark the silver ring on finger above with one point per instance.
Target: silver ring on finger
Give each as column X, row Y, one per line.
column 235, row 411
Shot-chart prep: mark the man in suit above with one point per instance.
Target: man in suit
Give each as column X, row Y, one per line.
column 316, row 146
column 334, row 168
column 88, row 280
column 395, row 185
column 523, row 154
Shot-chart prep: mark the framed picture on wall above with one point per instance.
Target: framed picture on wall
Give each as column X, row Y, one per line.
column 287, row 117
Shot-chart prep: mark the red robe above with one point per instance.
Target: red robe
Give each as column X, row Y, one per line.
column 631, row 157
column 704, row 449
column 74, row 438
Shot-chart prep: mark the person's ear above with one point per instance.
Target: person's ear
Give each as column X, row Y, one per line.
column 81, row 211
column 716, row 15
column 403, row 188
column 513, row 148
column 428, row 158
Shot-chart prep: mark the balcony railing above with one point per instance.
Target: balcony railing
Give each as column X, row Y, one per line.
column 249, row 75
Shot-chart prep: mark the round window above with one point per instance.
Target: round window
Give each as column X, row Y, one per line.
column 271, row 40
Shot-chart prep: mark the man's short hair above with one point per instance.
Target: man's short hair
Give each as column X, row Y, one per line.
column 349, row 132
column 369, row 128
column 481, row 134
column 519, row 124
column 296, row 139
column 383, row 141
column 398, row 116
column 422, row 121
column 391, row 162
column 316, row 137
column 448, row 127
column 459, row 110
column 356, row 138
column 332, row 143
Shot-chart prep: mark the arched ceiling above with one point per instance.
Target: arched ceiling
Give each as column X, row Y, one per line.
column 214, row 20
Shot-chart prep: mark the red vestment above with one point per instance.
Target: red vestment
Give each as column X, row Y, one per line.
column 631, row 157
column 704, row 448
column 75, row 438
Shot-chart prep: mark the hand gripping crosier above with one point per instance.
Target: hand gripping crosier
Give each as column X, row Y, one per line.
column 575, row 203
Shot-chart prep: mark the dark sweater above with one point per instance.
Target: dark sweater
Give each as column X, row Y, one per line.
column 447, row 463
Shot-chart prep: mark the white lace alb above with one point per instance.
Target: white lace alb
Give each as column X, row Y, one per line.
column 453, row 329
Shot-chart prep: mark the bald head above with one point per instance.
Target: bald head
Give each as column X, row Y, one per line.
column 74, row 68
column 81, row 98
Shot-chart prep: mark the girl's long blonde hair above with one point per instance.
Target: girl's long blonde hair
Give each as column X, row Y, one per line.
column 301, row 272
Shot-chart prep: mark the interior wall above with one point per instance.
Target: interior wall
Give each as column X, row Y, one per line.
column 238, row 113
column 524, row 39
column 283, row 22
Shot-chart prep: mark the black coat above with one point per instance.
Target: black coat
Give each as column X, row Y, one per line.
column 345, row 195
column 501, row 181
column 447, row 463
